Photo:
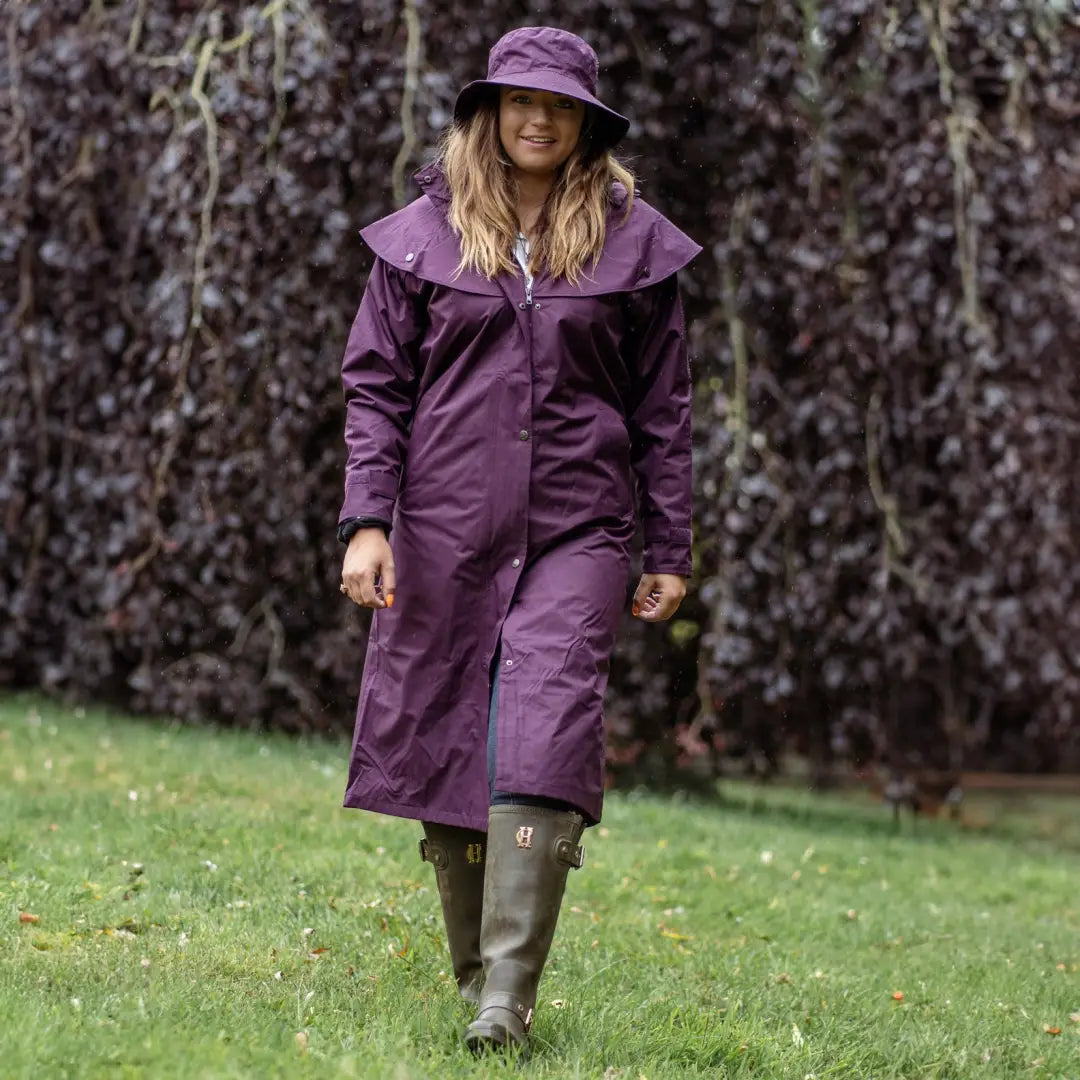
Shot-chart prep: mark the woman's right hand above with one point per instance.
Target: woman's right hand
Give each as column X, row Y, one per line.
column 368, row 571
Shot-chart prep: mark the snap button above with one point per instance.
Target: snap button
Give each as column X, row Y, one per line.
column 644, row 271
column 410, row 257
column 522, row 305
column 425, row 179
column 537, row 306
column 509, row 663
column 523, row 434
column 516, row 563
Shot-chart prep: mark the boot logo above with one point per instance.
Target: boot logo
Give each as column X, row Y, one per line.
column 474, row 854
column 524, row 836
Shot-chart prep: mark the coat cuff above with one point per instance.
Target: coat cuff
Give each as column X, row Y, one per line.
column 667, row 551
column 370, row 497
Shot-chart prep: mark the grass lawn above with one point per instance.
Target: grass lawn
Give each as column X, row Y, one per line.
column 190, row 903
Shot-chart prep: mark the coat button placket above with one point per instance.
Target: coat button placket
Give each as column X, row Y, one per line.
column 517, row 536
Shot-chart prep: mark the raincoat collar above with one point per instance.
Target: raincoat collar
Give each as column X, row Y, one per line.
column 432, row 181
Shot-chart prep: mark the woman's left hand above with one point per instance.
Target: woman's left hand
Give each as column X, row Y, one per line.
column 658, row 596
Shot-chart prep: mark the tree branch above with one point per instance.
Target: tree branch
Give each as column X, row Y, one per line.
column 408, row 99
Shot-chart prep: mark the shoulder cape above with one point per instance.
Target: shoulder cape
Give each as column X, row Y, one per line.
column 639, row 250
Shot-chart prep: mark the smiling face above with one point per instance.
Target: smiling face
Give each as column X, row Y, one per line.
column 538, row 130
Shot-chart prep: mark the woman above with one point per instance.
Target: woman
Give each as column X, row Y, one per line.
column 516, row 369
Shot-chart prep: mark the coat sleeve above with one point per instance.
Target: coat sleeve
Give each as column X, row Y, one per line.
column 379, row 374
column 659, row 426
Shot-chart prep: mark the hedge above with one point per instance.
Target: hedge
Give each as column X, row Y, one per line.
column 885, row 327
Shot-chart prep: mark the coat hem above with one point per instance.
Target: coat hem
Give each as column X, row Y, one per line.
column 410, row 811
column 416, row 813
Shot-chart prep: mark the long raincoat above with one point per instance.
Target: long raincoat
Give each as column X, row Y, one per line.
column 509, row 436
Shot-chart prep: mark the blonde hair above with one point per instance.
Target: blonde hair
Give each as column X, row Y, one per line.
column 573, row 223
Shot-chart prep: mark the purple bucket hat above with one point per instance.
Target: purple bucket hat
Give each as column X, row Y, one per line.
column 543, row 58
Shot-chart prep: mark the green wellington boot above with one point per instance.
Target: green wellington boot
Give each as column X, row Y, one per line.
column 530, row 851
column 458, row 857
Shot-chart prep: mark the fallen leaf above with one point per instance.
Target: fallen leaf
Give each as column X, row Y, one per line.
column 26, row 917
column 898, row 995
column 302, row 1041
column 1051, row 1030
column 674, row 935
column 319, row 951
column 783, row 977
column 852, row 914
column 1075, row 1017
column 797, row 1035
column 558, row 1003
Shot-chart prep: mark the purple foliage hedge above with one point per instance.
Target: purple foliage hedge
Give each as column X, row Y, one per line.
column 886, row 328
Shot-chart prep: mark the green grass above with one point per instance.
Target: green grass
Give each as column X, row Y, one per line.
column 183, row 880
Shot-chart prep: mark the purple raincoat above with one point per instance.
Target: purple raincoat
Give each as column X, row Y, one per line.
column 508, row 441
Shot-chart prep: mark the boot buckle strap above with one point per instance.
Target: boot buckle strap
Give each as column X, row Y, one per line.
column 434, row 853
column 511, row 1004
column 573, row 855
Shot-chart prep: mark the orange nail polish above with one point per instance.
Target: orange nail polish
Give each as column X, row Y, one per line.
column 636, row 610
column 389, row 599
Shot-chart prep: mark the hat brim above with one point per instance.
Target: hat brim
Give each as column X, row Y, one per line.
column 610, row 127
